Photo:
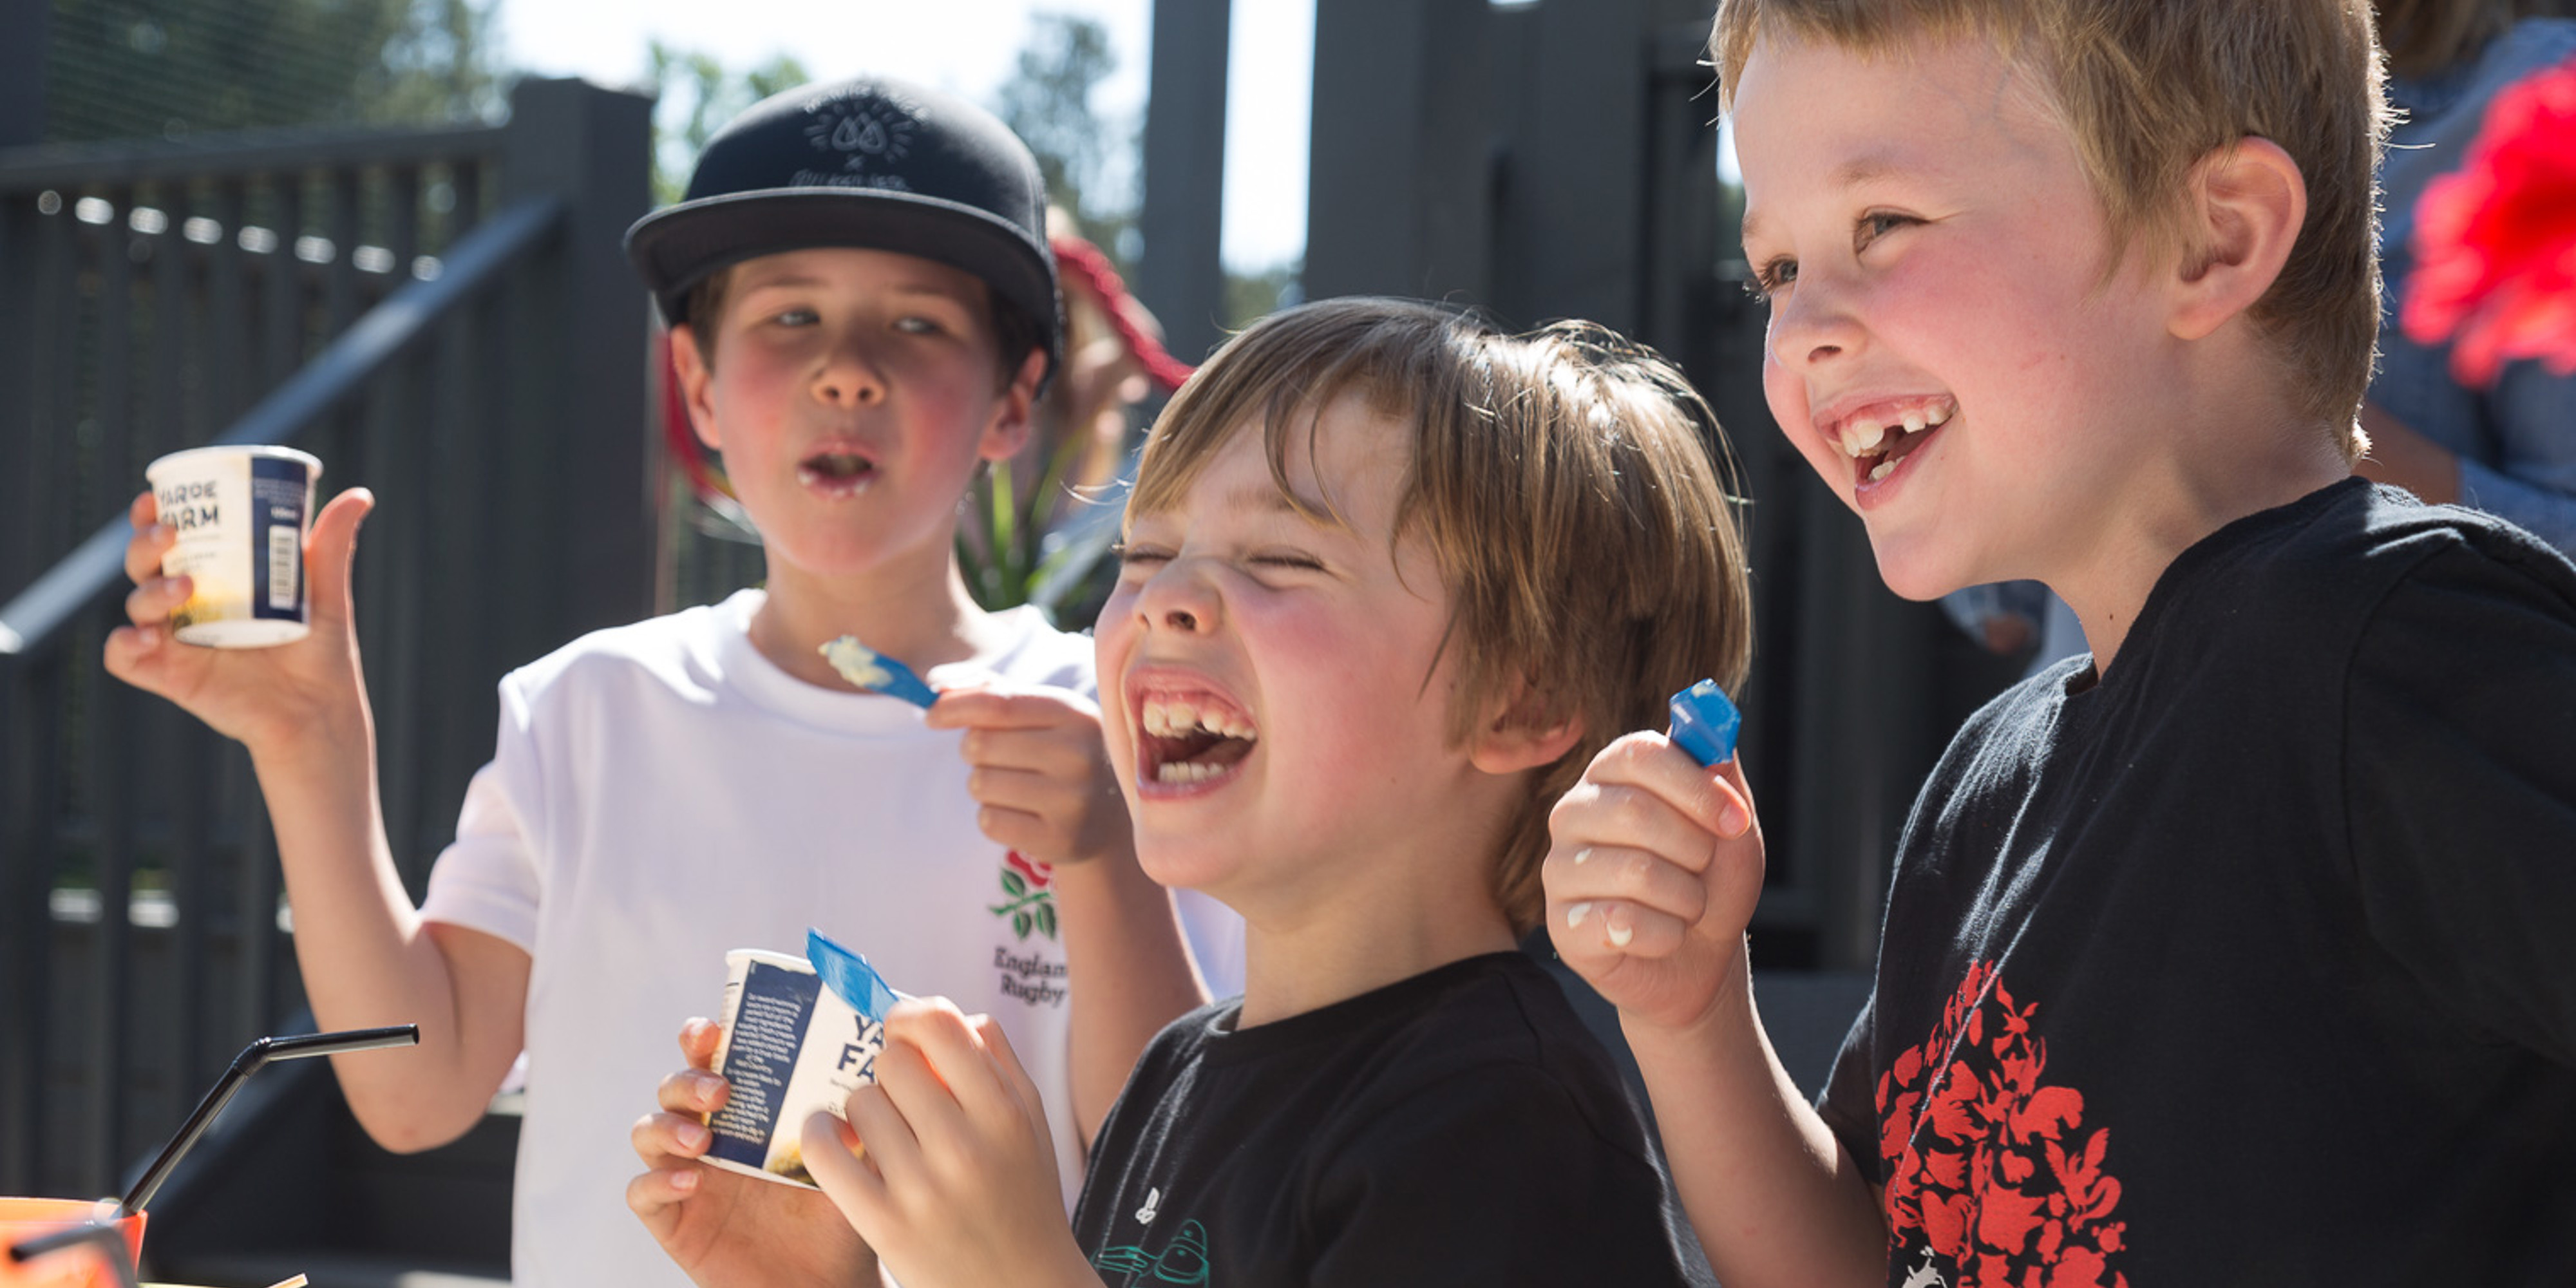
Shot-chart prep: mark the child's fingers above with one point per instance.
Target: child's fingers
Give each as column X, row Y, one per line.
column 885, row 1136
column 1016, row 829
column 1020, row 789
column 1597, row 930
column 666, row 1138
column 655, row 1196
column 940, row 1066
column 1599, row 873
column 1060, row 750
column 132, row 654
column 853, row 1182
column 152, row 598
column 1005, row 1062
column 693, row 1091
column 1650, row 763
column 1005, row 708
column 699, row 1037
column 329, row 550
column 150, row 542
column 1601, row 815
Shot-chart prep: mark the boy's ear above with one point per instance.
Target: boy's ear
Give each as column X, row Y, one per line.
column 1520, row 734
column 1014, row 418
column 695, row 383
column 2248, row 203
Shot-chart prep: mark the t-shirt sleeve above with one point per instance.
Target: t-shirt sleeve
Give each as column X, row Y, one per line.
column 487, row 878
column 1850, row 1103
column 1508, row 1182
column 2460, row 778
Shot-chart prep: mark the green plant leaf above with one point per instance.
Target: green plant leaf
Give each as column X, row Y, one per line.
column 1046, row 918
column 1020, row 924
column 1013, row 885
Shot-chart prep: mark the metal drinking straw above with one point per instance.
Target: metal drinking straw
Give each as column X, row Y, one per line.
column 251, row 1059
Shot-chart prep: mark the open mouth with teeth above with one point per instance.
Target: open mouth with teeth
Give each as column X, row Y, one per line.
column 1191, row 738
column 836, row 471
column 1879, row 438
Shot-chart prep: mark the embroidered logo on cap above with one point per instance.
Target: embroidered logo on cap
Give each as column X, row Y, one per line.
column 864, row 135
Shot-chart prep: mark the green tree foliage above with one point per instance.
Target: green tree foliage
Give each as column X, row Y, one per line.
column 695, row 95
column 1086, row 158
column 121, row 69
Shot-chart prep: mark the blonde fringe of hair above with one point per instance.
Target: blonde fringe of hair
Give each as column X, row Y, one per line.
column 1563, row 483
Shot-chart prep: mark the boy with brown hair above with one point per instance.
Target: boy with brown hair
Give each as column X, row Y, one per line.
column 2238, row 953
column 863, row 308
column 1389, row 577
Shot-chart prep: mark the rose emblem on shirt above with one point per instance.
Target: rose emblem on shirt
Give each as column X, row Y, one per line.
column 1993, row 1176
column 1031, row 899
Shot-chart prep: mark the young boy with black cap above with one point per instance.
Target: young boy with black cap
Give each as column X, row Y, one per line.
column 863, row 308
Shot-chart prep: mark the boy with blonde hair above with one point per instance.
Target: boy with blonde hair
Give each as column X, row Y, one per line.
column 863, row 308
column 1388, row 577
column 2236, row 953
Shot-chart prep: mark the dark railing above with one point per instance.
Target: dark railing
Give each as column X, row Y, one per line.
column 441, row 316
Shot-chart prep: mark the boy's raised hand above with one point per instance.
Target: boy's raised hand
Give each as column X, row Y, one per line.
column 1652, row 878
column 957, row 1185
column 263, row 696
column 1040, row 771
column 721, row 1227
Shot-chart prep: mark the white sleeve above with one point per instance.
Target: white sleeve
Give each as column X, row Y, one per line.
column 487, row 878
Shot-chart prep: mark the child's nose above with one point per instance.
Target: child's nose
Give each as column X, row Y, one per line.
column 1812, row 325
column 849, row 377
column 1178, row 599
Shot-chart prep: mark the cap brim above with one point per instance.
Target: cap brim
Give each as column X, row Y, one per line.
column 678, row 246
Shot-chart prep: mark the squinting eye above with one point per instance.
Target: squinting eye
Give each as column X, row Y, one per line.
column 1876, row 225
column 916, row 326
column 1774, row 276
column 796, row 317
column 1138, row 556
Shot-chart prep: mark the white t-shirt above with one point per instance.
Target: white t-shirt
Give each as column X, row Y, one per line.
column 661, row 794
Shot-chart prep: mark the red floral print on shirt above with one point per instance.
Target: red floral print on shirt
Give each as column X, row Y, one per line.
column 1992, row 1180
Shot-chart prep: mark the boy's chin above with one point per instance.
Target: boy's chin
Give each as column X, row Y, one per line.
column 1910, row 574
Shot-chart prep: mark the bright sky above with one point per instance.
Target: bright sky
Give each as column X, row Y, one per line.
column 968, row 46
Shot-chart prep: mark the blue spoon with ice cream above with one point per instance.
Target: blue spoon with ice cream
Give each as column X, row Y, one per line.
column 874, row 672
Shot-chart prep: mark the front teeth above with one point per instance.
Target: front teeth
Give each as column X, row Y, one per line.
column 1169, row 719
column 1860, row 438
column 1183, row 772
column 1881, row 470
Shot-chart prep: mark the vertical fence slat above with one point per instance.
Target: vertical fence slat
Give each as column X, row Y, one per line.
column 22, row 924
column 282, row 285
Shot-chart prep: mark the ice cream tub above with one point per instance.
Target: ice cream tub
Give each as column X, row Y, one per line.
column 240, row 514
column 800, row 1034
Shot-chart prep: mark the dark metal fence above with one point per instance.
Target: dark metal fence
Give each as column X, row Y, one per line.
column 440, row 315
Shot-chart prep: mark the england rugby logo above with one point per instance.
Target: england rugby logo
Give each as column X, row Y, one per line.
column 1031, row 905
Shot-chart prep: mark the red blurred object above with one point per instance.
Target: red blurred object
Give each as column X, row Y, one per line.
column 22, row 1219
column 2495, row 241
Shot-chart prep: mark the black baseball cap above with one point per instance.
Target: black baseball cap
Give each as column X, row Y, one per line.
column 870, row 162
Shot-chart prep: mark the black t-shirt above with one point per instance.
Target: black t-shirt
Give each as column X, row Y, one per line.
column 2253, row 962
column 1458, row 1127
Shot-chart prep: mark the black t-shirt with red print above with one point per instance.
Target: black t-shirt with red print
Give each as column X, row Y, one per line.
column 2253, row 962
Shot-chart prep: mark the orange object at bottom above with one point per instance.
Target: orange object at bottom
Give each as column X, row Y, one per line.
column 82, row 1267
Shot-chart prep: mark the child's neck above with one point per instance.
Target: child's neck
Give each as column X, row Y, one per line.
column 2220, row 469
column 1381, row 917
column 919, row 615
